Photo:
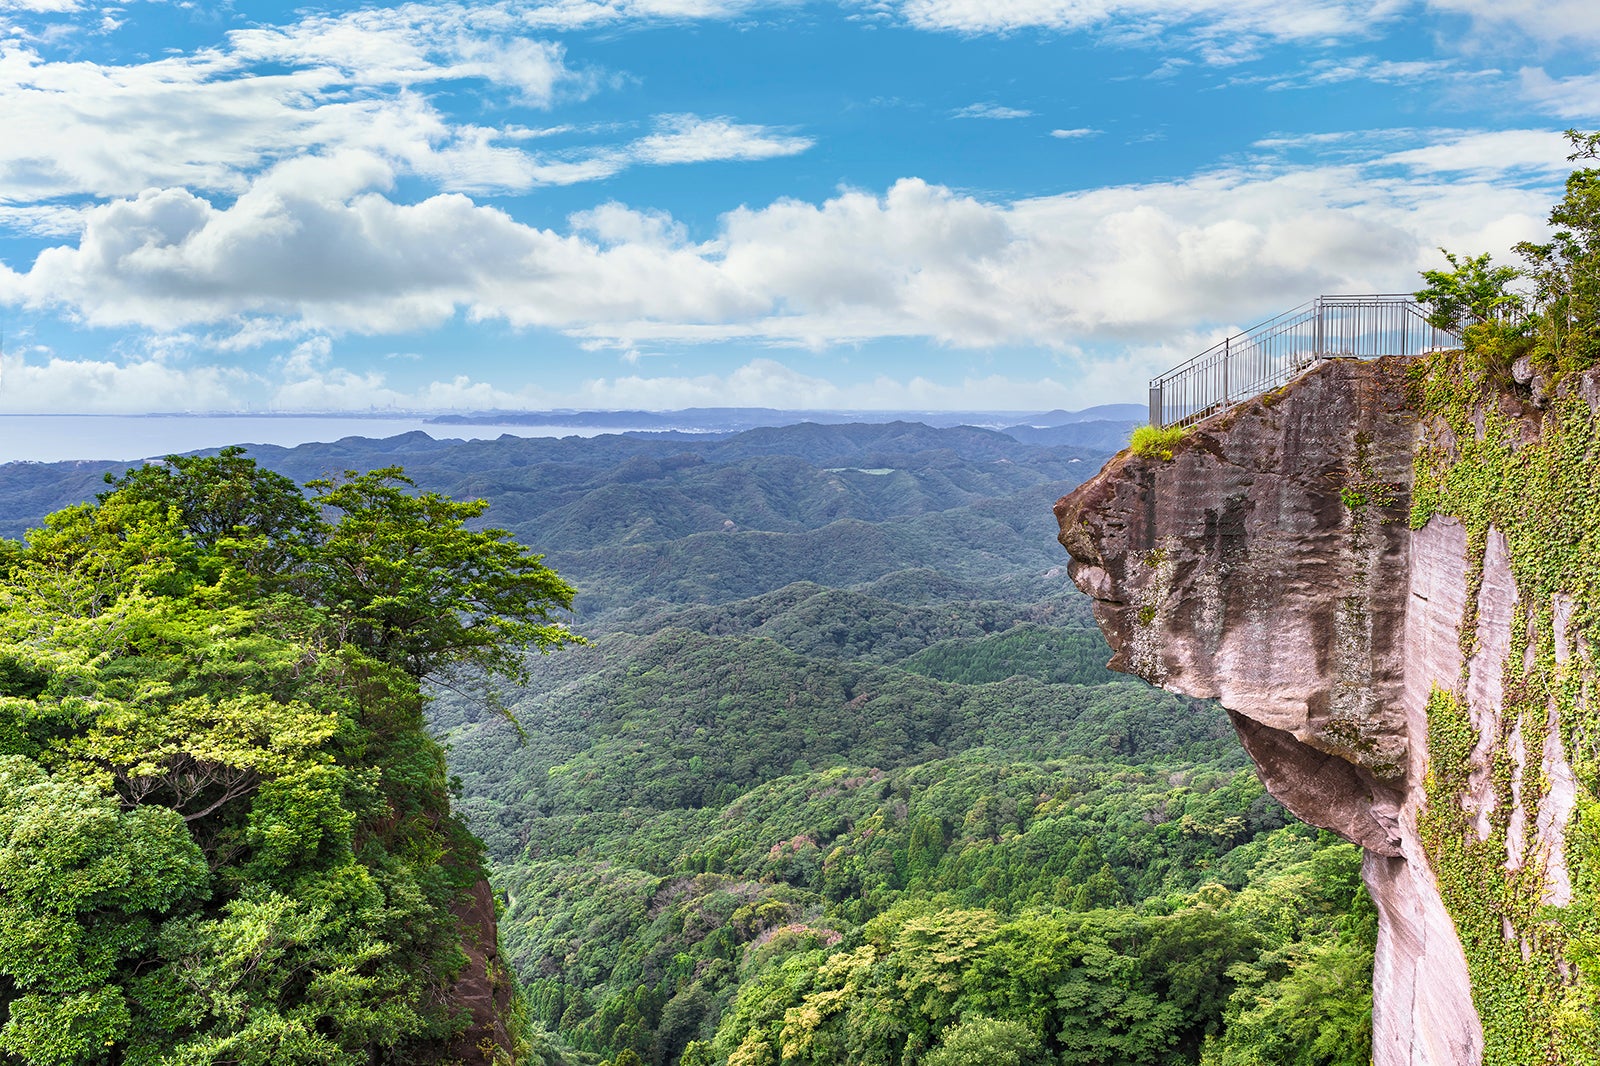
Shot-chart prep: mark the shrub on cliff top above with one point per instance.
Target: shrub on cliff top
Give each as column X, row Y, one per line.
column 1469, row 293
column 1154, row 442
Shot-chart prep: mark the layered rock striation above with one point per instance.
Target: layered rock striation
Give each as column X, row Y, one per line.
column 1272, row 564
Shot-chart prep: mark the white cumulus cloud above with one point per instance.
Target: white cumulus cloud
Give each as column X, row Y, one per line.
column 210, row 121
column 410, row 45
column 1557, row 23
column 1488, row 154
column 577, row 14
column 692, row 139
column 1293, row 20
column 318, row 242
column 47, row 383
column 36, row 380
column 206, row 122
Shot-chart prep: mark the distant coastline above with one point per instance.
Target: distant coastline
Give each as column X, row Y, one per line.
column 49, row 438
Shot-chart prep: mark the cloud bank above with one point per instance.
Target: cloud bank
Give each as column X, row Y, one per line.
column 317, row 242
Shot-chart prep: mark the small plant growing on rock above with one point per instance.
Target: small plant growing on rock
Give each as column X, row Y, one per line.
column 1153, row 442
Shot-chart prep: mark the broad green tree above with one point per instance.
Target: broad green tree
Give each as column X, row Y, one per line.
column 983, row 1041
column 259, row 519
column 410, row 582
column 83, row 886
column 225, row 833
column 1565, row 269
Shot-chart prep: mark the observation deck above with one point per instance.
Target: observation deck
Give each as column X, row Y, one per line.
column 1272, row 353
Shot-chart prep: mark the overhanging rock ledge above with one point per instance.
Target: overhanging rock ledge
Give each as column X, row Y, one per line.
column 1269, row 565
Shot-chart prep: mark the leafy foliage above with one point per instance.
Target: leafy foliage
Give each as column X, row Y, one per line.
column 1100, row 986
column 1471, row 292
column 226, row 499
column 224, row 833
column 1155, row 441
column 1565, row 270
column 414, row 587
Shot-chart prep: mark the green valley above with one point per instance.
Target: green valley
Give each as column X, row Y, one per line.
column 839, row 775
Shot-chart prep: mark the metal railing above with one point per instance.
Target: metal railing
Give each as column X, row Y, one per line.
column 1270, row 354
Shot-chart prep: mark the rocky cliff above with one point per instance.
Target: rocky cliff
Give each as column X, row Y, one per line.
column 1348, row 565
column 483, row 988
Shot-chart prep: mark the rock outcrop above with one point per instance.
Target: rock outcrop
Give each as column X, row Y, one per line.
column 483, row 988
column 1270, row 565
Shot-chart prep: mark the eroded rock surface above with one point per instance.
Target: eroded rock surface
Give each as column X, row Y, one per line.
column 1269, row 565
column 483, row 989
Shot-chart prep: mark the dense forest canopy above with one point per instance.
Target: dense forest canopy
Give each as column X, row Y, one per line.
column 224, row 829
column 838, row 696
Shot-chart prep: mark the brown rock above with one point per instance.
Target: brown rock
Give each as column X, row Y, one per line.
column 483, row 988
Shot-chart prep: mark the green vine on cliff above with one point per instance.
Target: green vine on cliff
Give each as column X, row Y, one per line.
column 1523, row 1004
column 1495, row 464
column 1363, row 486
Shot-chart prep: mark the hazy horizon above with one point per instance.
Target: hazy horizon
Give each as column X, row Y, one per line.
column 128, row 438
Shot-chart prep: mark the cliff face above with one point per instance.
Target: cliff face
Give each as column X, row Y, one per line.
column 1272, row 564
column 483, row 988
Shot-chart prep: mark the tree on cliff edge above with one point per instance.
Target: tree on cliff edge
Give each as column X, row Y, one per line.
column 224, row 831
column 1565, row 270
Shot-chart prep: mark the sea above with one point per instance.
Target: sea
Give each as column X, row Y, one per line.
column 54, row 438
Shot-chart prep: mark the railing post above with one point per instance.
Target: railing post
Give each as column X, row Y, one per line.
column 1155, row 406
column 1316, row 350
column 1227, row 363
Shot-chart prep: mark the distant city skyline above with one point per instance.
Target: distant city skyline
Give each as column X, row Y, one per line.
column 662, row 204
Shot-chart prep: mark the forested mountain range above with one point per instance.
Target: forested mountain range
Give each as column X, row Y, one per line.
column 525, row 478
column 841, row 775
column 1085, row 427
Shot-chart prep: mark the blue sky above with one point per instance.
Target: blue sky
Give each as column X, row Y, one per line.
column 858, row 204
